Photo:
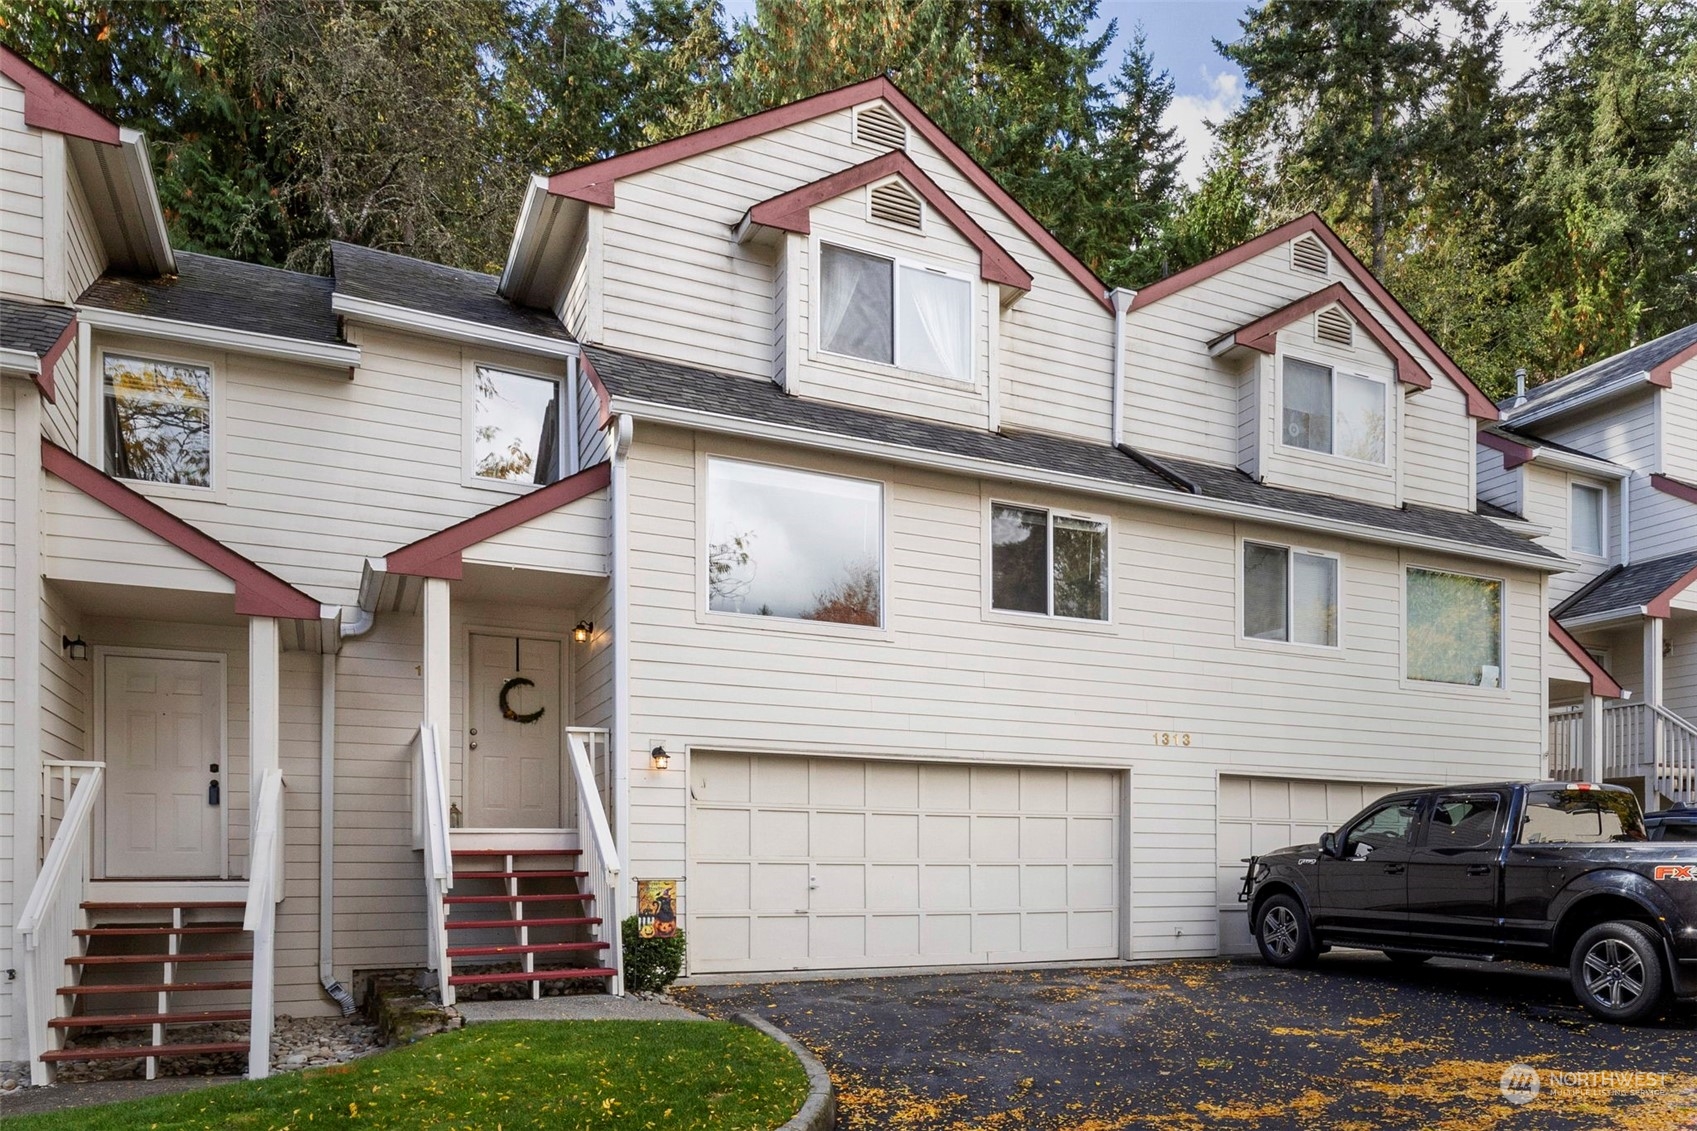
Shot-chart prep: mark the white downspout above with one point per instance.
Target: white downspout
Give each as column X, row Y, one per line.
column 358, row 626
column 620, row 746
column 1121, row 297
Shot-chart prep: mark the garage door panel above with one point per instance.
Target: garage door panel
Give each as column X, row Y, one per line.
column 834, row 863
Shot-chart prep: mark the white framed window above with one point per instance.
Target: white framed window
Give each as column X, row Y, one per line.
column 800, row 545
column 1048, row 563
column 895, row 312
column 157, row 420
column 1588, row 520
column 1454, row 628
column 518, row 426
column 1289, row 595
column 1335, row 413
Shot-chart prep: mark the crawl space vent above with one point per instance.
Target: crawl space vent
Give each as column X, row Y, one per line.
column 893, row 203
column 1307, row 253
column 1333, row 325
column 878, row 127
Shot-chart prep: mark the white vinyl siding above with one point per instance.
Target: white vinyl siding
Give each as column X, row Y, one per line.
column 22, row 207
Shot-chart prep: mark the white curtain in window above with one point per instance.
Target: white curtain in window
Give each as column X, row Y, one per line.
column 1308, row 405
column 934, row 324
column 855, row 306
column 1587, row 519
column 1314, row 599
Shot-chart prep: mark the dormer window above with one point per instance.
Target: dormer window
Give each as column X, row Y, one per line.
column 895, row 313
column 515, row 427
column 1341, row 414
column 158, row 421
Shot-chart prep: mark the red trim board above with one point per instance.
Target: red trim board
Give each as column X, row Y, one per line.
column 439, row 554
column 1514, row 454
column 49, row 106
column 1674, row 487
column 1263, row 333
column 1663, row 374
column 1662, row 606
column 1602, row 683
column 259, row 592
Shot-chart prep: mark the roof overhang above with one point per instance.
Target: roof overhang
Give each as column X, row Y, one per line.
column 535, row 269
column 1602, row 683
column 1674, row 487
column 1262, row 334
column 329, row 355
column 1517, row 451
column 1562, row 406
column 1479, row 405
column 792, row 212
column 449, row 329
column 38, row 368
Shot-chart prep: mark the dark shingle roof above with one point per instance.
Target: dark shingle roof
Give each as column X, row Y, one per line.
column 30, row 328
column 1623, row 367
column 1491, row 510
column 1229, row 483
column 229, row 294
column 662, row 382
column 382, row 276
column 1628, row 587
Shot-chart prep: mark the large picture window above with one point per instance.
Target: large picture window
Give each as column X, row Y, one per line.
column 795, row 544
column 1289, row 595
column 1455, row 628
column 158, row 421
column 901, row 314
column 1336, row 413
column 515, row 430
column 1048, row 563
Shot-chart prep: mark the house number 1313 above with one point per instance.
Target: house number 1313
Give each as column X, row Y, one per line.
column 1171, row 738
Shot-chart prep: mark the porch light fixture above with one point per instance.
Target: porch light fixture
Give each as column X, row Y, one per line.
column 583, row 631
column 658, row 758
column 75, row 649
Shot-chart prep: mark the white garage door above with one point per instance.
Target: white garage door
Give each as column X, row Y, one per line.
column 1263, row 814
column 822, row 863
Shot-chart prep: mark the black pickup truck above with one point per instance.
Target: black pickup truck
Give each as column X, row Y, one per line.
column 1548, row 872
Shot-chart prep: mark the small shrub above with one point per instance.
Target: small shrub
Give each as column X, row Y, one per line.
column 651, row 964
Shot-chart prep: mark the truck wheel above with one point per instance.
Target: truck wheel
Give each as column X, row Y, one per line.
column 1282, row 933
column 1617, row 972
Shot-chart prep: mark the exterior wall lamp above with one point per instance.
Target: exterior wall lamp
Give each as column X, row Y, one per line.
column 583, row 631
column 659, row 759
column 74, row 649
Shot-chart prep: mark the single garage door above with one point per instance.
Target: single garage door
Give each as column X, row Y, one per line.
column 831, row 863
column 1263, row 814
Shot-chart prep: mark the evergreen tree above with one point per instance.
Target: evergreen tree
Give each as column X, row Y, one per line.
column 1135, row 175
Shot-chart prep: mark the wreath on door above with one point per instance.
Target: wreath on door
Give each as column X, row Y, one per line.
column 507, row 711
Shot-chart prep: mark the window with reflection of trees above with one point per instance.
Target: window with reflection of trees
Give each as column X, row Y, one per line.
column 794, row 544
column 158, row 421
column 1047, row 563
column 515, row 427
column 1455, row 628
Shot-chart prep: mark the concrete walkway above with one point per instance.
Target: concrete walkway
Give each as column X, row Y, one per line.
column 576, row 1007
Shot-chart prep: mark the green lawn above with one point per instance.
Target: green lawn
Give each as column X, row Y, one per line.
column 514, row 1074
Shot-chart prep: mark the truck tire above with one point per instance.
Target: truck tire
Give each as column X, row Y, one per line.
column 1283, row 934
column 1617, row 973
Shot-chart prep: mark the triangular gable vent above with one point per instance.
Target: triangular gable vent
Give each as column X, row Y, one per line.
column 1307, row 253
column 893, row 203
column 877, row 127
column 1333, row 325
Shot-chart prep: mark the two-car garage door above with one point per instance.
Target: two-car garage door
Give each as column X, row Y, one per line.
column 822, row 863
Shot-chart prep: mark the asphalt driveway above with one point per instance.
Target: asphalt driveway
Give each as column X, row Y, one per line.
column 1352, row 1045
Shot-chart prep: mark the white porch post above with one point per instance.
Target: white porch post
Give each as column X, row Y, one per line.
column 26, row 722
column 1653, row 689
column 1591, row 753
column 264, row 721
column 435, row 665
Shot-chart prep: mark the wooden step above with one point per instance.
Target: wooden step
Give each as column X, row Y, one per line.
column 531, row 897
column 486, row 852
column 528, row 948
column 532, row 976
column 569, row 921
column 154, row 988
column 167, row 905
column 155, row 959
column 60, row 1056
column 536, row 875
column 136, row 1020
column 159, row 929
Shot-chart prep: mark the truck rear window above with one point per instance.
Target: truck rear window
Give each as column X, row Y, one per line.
column 1581, row 816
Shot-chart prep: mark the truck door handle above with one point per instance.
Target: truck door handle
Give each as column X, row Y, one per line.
column 1478, row 869
column 1393, row 869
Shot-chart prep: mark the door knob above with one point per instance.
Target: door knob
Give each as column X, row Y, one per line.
column 474, row 744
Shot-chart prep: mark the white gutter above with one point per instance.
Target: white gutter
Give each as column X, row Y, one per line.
column 1569, row 461
column 218, row 337
column 327, row 662
column 19, row 363
column 1626, row 614
column 530, row 212
column 452, row 329
column 990, row 469
column 1122, row 298
column 138, row 166
column 619, row 748
column 1514, row 418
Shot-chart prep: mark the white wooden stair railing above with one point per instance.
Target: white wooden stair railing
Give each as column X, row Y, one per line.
column 264, row 892
column 431, row 821
column 1674, row 747
column 1566, row 748
column 599, row 854
column 54, row 907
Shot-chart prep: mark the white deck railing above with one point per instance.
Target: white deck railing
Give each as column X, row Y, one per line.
column 1566, row 749
column 430, row 819
column 599, row 857
column 1675, row 746
column 54, row 907
column 264, row 892
column 1640, row 740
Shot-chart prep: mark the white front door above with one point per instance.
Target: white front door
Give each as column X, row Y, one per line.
column 512, row 766
column 163, row 720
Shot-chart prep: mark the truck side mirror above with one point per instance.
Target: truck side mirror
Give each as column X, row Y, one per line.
column 1329, row 844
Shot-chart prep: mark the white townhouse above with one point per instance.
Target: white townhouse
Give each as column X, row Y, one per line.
column 793, row 519
column 1601, row 467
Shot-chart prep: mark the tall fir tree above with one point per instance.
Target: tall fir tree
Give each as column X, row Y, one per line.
column 1135, row 179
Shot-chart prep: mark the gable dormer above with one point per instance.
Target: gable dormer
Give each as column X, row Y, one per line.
column 1285, row 358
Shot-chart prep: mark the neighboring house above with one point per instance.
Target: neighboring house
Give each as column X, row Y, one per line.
column 880, row 577
column 1601, row 466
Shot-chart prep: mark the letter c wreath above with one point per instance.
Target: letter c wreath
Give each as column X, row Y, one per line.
column 507, row 711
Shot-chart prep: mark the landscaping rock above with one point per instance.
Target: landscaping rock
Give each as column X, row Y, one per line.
column 403, row 1014
column 296, row 1043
